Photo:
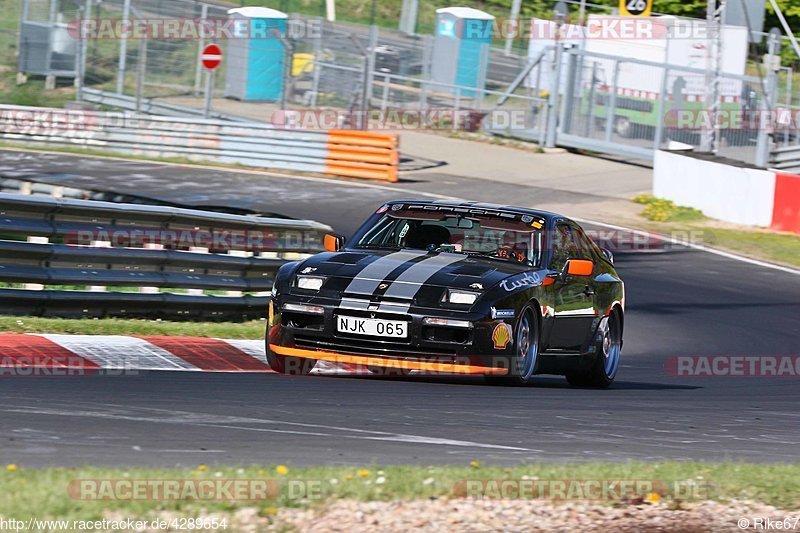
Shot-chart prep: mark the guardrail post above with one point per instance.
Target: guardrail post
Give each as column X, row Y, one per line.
column 151, row 246
column 209, row 93
column 99, row 244
column 35, row 286
column 385, row 96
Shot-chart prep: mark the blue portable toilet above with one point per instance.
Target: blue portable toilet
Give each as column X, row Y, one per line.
column 255, row 56
column 461, row 48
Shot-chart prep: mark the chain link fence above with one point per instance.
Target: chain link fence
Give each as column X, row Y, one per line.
column 570, row 95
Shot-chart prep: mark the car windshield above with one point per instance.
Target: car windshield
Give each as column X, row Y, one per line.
column 500, row 235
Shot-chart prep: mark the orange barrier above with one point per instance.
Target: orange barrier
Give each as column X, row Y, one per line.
column 363, row 154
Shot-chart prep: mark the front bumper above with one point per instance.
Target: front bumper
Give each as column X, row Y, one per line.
column 437, row 349
column 388, row 362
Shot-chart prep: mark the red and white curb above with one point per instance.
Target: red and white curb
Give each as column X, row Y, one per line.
column 117, row 352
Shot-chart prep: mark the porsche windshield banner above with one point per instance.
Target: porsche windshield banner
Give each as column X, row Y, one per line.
column 635, row 8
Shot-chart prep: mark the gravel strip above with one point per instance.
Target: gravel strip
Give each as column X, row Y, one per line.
column 468, row 515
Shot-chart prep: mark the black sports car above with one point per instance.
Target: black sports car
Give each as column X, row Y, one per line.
column 450, row 287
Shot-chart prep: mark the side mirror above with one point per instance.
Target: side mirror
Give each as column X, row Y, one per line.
column 609, row 255
column 579, row 267
column 333, row 242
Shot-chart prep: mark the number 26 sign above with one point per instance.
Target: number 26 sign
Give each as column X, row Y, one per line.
column 635, row 8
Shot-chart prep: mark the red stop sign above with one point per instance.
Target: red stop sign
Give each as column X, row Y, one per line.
column 211, row 56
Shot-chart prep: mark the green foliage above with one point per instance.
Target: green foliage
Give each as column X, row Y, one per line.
column 659, row 210
column 253, row 329
column 42, row 492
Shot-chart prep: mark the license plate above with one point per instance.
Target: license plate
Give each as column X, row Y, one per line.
column 375, row 327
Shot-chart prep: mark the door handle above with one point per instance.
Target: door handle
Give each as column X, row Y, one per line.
column 588, row 291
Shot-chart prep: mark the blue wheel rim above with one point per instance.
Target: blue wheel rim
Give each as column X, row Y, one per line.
column 527, row 346
column 611, row 347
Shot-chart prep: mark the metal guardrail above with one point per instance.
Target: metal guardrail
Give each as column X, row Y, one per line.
column 347, row 153
column 141, row 248
column 149, row 106
column 786, row 158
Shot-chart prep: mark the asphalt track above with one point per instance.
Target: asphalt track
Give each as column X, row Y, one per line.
column 680, row 302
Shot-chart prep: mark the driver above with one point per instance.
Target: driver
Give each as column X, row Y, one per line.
column 507, row 249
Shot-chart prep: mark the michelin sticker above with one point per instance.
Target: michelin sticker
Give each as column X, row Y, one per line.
column 503, row 313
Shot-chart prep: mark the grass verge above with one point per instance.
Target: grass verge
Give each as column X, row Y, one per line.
column 43, row 492
column 663, row 216
column 660, row 210
column 781, row 248
column 122, row 326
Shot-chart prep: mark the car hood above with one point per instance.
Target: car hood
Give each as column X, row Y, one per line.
column 412, row 275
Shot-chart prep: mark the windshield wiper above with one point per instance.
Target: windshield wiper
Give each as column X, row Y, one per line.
column 379, row 247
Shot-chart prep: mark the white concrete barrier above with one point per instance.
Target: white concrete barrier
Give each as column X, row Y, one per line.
column 731, row 193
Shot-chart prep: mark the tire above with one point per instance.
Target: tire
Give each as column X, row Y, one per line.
column 525, row 361
column 293, row 366
column 604, row 368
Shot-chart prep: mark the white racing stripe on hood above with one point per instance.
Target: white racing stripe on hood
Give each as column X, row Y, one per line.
column 374, row 273
column 409, row 282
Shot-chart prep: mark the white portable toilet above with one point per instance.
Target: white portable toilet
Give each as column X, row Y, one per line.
column 256, row 55
column 461, row 48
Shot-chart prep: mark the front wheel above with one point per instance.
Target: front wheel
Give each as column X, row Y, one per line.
column 524, row 363
column 609, row 347
column 293, row 366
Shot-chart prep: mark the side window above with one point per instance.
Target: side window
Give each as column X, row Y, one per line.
column 585, row 247
column 564, row 246
column 592, row 250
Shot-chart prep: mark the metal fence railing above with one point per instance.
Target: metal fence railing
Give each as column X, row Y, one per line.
column 149, row 106
column 62, row 257
column 357, row 67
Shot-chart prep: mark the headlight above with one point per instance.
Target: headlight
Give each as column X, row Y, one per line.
column 449, row 322
column 302, row 308
column 309, row 283
column 462, row 297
